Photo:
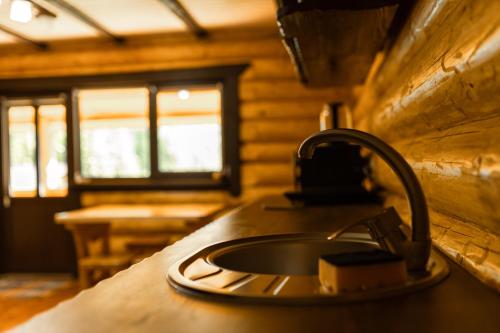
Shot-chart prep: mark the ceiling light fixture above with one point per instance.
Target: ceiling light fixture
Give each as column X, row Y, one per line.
column 21, row 11
column 183, row 94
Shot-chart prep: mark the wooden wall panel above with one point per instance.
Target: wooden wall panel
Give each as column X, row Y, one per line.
column 288, row 130
column 269, row 68
column 266, row 89
column 138, row 54
column 459, row 170
column 253, row 193
column 435, row 97
column 266, row 174
column 268, row 152
column 471, row 246
column 277, row 113
column 281, row 109
column 115, row 197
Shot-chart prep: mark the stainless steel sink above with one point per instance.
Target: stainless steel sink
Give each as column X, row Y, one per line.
column 285, row 256
column 282, row 269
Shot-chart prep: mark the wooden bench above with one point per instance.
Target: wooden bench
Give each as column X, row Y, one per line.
column 95, row 261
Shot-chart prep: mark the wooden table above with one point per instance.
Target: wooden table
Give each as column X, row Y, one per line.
column 190, row 216
column 139, row 299
column 193, row 214
column 92, row 223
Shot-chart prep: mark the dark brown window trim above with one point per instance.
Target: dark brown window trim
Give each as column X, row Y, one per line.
column 226, row 75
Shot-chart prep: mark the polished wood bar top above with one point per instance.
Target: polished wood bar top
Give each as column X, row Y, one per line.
column 139, row 299
column 150, row 212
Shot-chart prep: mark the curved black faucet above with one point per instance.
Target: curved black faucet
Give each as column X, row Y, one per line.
column 417, row 251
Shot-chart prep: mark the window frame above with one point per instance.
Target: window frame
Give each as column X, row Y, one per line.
column 227, row 76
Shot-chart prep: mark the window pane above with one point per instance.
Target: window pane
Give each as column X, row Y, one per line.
column 114, row 133
column 22, row 152
column 52, row 150
column 189, row 129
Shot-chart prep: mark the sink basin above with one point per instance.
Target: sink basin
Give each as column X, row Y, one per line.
column 283, row 269
column 285, row 256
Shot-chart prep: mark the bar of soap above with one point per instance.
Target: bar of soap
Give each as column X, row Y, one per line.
column 347, row 272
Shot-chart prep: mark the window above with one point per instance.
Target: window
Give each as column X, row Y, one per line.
column 166, row 136
column 114, row 133
column 52, row 151
column 189, row 129
column 22, row 151
column 37, row 150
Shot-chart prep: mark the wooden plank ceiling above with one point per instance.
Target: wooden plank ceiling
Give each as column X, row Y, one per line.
column 116, row 19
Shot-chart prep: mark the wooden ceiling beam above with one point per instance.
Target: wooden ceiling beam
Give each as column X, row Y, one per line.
column 178, row 9
column 75, row 12
column 17, row 35
column 42, row 11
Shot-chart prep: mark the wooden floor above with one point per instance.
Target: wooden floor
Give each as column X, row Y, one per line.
column 15, row 311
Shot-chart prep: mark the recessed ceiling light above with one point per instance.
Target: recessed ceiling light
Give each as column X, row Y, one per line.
column 21, row 11
column 183, row 94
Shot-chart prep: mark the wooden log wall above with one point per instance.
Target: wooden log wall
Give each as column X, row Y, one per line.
column 276, row 111
column 435, row 96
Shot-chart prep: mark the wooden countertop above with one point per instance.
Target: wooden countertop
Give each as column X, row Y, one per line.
column 139, row 299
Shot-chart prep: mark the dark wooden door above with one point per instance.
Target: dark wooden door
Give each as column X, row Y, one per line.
column 35, row 186
column 34, row 243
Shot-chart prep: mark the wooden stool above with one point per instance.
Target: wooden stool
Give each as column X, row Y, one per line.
column 93, row 267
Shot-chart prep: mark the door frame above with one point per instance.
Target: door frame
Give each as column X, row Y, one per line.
column 72, row 199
